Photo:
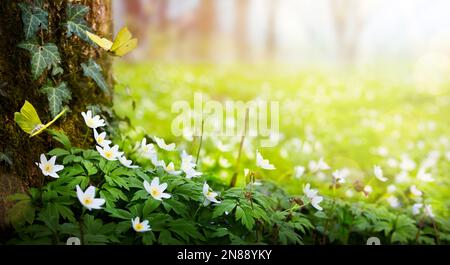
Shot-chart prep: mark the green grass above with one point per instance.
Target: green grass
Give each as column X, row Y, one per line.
column 343, row 117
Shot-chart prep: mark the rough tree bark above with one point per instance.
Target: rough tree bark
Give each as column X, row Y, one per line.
column 16, row 86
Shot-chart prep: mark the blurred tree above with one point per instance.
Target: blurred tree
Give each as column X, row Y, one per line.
column 348, row 22
column 240, row 29
column 271, row 40
column 205, row 25
column 20, row 152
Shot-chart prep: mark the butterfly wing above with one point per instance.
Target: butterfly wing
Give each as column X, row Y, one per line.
column 50, row 123
column 102, row 42
column 27, row 118
column 123, row 43
column 126, row 48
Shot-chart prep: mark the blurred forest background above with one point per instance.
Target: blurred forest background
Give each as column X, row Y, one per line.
column 299, row 33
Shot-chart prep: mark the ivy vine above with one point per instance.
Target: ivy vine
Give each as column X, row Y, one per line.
column 45, row 58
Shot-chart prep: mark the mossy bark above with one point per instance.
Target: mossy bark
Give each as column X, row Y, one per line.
column 19, row 152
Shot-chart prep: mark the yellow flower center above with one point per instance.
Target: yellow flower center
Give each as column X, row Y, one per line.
column 48, row 167
column 88, row 201
column 138, row 227
column 209, row 194
column 170, row 167
column 90, row 122
column 109, row 154
column 100, row 140
column 155, row 192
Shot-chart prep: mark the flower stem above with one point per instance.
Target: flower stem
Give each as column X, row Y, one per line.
column 200, row 143
column 85, row 137
column 197, row 211
column 324, row 238
column 238, row 160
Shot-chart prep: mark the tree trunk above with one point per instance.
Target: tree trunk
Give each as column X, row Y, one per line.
column 19, row 152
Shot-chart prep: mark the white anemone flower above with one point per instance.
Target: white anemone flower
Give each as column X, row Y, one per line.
column 170, row 168
column 147, row 150
column 299, row 171
column 87, row 198
column 424, row 176
column 162, row 144
column 416, row 208
column 393, row 201
column 223, row 162
column 210, row 196
column 192, row 173
column 127, row 163
column 246, row 171
column 312, row 195
column 110, row 153
column 48, row 167
column 101, row 138
column 92, row 122
column 428, row 211
column 263, row 163
column 339, row 176
column 318, row 166
column 379, row 173
column 140, row 226
column 415, row 191
column 187, row 161
column 157, row 190
column 391, row 188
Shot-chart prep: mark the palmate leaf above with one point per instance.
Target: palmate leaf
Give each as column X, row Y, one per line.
column 76, row 24
column 57, row 96
column 33, row 18
column 42, row 57
column 94, row 71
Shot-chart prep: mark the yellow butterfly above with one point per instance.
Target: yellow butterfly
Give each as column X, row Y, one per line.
column 123, row 44
column 29, row 121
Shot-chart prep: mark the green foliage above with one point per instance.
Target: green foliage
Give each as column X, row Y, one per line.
column 57, row 96
column 251, row 215
column 34, row 18
column 76, row 24
column 43, row 57
column 93, row 70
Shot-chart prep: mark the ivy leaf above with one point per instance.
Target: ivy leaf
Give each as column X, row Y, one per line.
column 94, row 71
column 57, row 70
column 56, row 96
column 76, row 24
column 33, row 18
column 42, row 57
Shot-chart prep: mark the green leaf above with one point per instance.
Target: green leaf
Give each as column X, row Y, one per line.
column 119, row 213
column 33, row 18
column 225, row 206
column 90, row 168
column 57, row 96
column 58, row 152
column 244, row 214
column 185, row 229
column 57, row 70
column 149, row 206
column 148, row 238
column 94, row 71
column 177, row 206
column 61, row 137
column 23, row 211
column 76, row 24
column 405, row 230
column 42, row 57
